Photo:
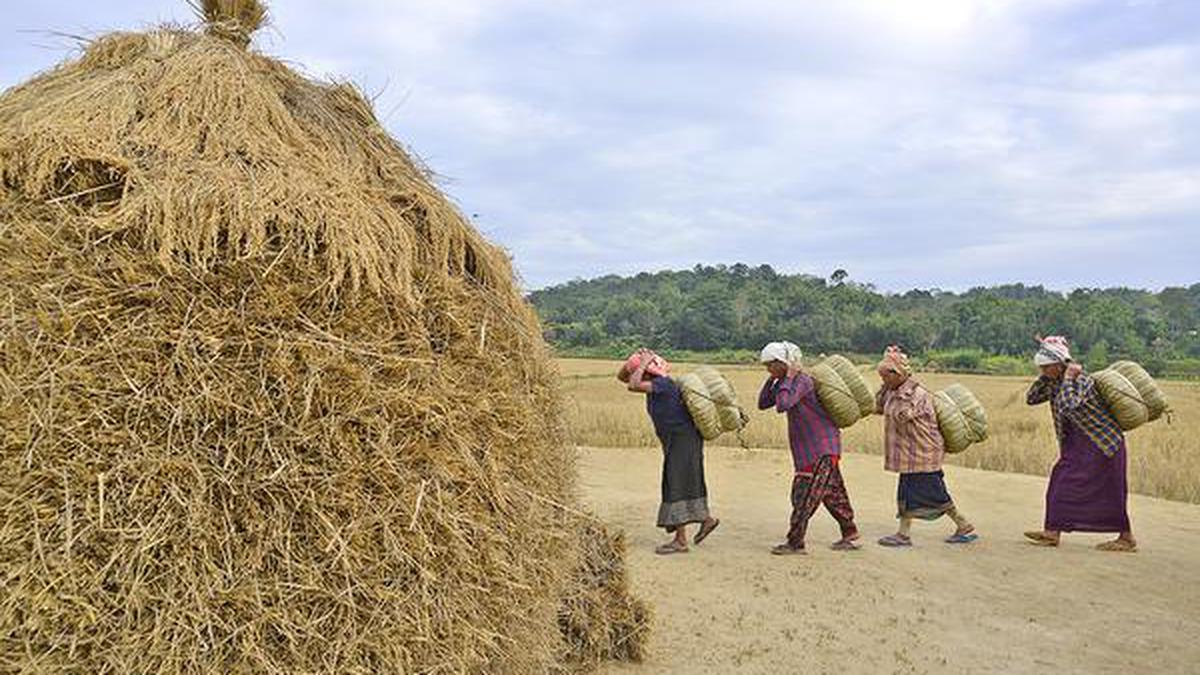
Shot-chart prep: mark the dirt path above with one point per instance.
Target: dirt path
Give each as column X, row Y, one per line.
column 996, row 606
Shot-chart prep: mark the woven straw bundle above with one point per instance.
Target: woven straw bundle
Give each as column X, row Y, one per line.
column 1123, row 399
column 961, row 418
column 842, row 391
column 712, row 402
column 855, row 383
column 1148, row 389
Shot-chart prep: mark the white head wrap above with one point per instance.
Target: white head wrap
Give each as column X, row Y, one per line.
column 1054, row 349
column 786, row 352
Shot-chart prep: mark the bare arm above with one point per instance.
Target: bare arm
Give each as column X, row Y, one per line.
column 637, row 384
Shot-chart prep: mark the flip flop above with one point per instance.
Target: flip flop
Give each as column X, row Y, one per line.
column 964, row 538
column 845, row 545
column 1118, row 546
column 670, row 548
column 706, row 530
column 895, row 541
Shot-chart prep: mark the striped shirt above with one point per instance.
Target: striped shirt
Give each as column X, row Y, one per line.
column 1079, row 401
column 811, row 432
column 912, row 441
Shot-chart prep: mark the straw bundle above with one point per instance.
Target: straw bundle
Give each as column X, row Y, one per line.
column 842, row 391
column 961, row 418
column 855, row 383
column 268, row 403
column 1123, row 399
column 712, row 402
column 834, row 395
column 1148, row 389
column 599, row 618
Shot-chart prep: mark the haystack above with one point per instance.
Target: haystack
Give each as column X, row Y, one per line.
column 268, row 403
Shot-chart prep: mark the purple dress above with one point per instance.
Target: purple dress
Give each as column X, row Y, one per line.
column 1087, row 490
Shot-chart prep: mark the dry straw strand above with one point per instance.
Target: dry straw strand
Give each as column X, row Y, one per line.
column 234, row 20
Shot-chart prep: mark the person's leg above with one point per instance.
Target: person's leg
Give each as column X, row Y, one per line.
column 837, row 502
column 901, row 538
column 1120, row 490
column 678, row 543
column 808, row 491
column 962, row 525
column 681, row 536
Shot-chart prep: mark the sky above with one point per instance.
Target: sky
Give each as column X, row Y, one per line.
column 917, row 144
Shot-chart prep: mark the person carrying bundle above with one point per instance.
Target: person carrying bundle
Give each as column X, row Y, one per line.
column 914, row 448
column 816, row 444
column 1088, row 489
column 684, row 491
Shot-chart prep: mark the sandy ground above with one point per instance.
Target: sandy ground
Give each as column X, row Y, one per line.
column 996, row 606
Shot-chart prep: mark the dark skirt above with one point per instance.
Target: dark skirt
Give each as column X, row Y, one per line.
column 1088, row 489
column 923, row 496
column 684, row 493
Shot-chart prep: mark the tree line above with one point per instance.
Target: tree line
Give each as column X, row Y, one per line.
column 739, row 307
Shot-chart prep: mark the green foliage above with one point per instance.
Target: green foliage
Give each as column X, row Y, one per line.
column 730, row 312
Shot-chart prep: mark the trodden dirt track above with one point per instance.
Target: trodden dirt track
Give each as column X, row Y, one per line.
column 996, row 606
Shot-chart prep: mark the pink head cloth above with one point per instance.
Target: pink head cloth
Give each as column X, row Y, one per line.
column 1054, row 349
column 657, row 367
column 895, row 359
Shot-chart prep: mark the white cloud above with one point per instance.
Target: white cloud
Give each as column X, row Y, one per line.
column 965, row 128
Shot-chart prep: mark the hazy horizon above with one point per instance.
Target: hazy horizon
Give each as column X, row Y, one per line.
column 888, row 291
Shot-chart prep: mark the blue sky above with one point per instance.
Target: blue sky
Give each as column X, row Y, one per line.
column 924, row 143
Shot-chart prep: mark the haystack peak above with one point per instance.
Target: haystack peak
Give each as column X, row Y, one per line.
column 234, row 20
column 207, row 152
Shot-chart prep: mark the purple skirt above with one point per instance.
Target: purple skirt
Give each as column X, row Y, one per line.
column 1087, row 490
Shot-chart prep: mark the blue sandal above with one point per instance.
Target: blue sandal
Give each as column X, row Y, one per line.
column 957, row 538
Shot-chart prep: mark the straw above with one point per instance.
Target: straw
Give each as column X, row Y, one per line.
column 250, row 416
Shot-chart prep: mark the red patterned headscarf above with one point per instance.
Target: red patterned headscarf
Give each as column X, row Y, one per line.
column 895, row 359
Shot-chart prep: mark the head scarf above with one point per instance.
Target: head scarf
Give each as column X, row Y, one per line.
column 657, row 367
column 786, row 352
column 1054, row 349
column 895, row 359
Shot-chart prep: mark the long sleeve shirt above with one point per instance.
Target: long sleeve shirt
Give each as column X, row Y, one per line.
column 1078, row 401
column 912, row 441
column 811, row 432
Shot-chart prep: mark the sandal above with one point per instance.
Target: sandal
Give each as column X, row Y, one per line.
column 1039, row 538
column 845, row 545
column 670, row 548
column 787, row 549
column 1118, row 546
column 706, row 529
column 961, row 538
column 895, row 541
